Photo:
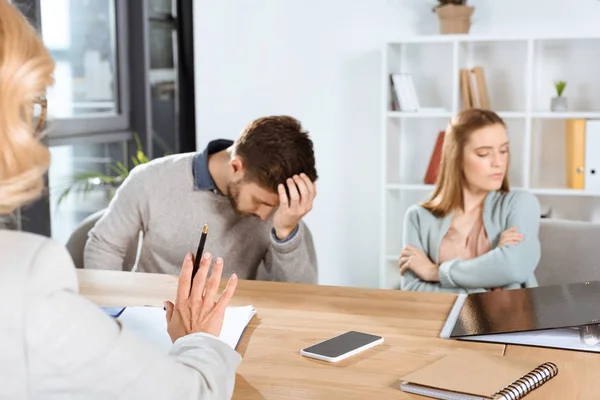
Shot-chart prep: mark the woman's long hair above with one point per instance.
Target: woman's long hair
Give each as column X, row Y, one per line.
column 448, row 192
column 25, row 71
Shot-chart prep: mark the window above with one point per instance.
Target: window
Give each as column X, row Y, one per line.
column 83, row 39
column 161, row 6
column 162, row 78
column 78, row 170
column 118, row 64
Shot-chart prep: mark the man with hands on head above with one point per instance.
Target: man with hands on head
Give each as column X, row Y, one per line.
column 253, row 193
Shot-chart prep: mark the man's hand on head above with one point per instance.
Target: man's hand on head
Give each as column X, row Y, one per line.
column 291, row 210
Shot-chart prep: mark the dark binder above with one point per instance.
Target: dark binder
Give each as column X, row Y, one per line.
column 559, row 316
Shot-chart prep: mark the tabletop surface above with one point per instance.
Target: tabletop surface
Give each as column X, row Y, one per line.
column 293, row 316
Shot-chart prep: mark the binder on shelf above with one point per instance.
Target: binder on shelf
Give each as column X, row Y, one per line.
column 405, row 92
column 558, row 316
column 394, row 103
column 473, row 88
column 575, row 153
column 465, row 89
column 434, row 161
column 484, row 100
column 592, row 156
column 471, row 375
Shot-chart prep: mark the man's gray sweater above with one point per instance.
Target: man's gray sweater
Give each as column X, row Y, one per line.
column 159, row 199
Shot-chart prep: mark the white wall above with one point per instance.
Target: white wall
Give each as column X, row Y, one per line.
column 320, row 62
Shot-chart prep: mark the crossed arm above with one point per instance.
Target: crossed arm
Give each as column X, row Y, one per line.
column 512, row 261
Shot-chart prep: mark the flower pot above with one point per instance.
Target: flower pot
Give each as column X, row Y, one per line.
column 559, row 104
column 454, row 19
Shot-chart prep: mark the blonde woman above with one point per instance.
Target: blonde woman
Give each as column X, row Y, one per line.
column 54, row 343
column 474, row 234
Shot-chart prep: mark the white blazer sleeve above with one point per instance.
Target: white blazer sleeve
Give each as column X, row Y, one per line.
column 75, row 350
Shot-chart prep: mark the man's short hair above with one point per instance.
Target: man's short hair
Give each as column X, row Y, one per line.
column 275, row 148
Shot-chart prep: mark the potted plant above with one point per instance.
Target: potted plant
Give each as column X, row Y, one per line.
column 86, row 181
column 559, row 103
column 454, row 16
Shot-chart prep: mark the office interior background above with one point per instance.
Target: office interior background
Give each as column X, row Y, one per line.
column 177, row 74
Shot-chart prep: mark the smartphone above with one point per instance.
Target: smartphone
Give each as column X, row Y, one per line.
column 342, row 346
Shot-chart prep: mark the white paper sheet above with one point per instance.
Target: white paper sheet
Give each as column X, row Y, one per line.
column 567, row 338
column 150, row 324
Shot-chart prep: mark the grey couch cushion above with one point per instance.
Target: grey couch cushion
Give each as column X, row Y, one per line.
column 570, row 252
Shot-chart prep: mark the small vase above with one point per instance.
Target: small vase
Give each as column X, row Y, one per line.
column 558, row 104
column 454, row 19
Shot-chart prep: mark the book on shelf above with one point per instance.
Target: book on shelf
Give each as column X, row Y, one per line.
column 575, row 153
column 474, row 92
column 582, row 141
column 404, row 95
column 394, row 103
column 434, row 161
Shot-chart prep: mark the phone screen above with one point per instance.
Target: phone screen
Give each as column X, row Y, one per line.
column 342, row 344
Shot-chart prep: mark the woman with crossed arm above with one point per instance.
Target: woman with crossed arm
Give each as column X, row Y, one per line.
column 473, row 234
column 55, row 344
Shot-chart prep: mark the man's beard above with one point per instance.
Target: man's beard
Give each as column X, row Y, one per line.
column 233, row 194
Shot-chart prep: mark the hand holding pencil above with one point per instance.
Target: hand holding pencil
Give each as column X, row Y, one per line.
column 198, row 308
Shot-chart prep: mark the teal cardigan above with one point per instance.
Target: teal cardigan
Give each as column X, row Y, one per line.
column 509, row 267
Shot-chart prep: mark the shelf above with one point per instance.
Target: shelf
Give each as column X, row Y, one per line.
column 563, row 192
column 466, row 38
column 519, row 73
column 502, row 114
column 511, row 114
column 456, row 38
column 420, row 114
column 567, row 115
column 408, row 186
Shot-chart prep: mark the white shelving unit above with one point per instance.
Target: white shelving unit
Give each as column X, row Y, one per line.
column 519, row 74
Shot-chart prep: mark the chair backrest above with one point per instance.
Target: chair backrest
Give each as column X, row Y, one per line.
column 76, row 243
column 570, row 252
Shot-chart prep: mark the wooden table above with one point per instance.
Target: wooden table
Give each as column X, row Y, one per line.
column 293, row 316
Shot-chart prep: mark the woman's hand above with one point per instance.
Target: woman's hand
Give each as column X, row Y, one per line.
column 510, row 236
column 199, row 310
column 417, row 261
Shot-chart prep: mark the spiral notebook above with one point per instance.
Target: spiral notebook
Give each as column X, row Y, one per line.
column 471, row 375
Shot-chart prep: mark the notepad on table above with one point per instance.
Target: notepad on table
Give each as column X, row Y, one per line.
column 150, row 324
column 471, row 375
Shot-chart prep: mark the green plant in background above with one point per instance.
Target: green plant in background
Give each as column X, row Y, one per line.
column 86, row 181
column 560, row 87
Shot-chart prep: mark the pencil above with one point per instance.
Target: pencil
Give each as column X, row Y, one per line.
column 200, row 250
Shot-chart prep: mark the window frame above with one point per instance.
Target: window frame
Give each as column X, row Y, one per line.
column 91, row 124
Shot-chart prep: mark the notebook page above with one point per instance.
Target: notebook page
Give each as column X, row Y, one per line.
column 150, row 324
column 471, row 372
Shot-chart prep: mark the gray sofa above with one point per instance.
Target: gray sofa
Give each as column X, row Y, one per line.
column 570, row 252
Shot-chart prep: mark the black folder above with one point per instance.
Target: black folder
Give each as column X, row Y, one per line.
column 561, row 316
